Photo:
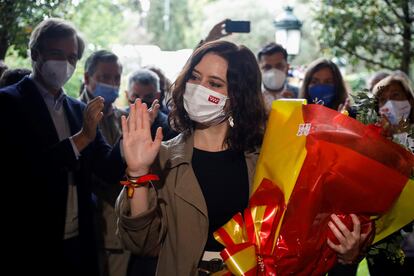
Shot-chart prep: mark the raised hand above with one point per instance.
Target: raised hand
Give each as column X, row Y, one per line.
column 139, row 148
column 153, row 111
column 350, row 242
column 218, row 31
column 92, row 115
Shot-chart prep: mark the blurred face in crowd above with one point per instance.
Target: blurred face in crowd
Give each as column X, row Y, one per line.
column 321, row 88
column 146, row 92
column 108, row 73
column 274, row 70
column 323, row 76
column 211, row 72
column 64, row 49
column 395, row 103
column 55, row 62
column 274, row 61
column 394, row 92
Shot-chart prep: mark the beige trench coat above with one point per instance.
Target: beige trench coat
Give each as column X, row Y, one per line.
column 176, row 225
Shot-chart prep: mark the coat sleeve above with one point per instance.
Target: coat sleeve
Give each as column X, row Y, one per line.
column 141, row 234
column 107, row 162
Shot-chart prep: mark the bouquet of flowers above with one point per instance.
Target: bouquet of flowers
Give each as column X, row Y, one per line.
column 314, row 162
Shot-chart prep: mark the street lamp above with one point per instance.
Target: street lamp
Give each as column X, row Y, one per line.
column 288, row 31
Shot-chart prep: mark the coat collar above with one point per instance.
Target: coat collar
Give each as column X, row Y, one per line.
column 180, row 151
column 75, row 122
column 36, row 111
column 39, row 116
column 251, row 161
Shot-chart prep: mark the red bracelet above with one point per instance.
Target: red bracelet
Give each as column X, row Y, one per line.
column 135, row 182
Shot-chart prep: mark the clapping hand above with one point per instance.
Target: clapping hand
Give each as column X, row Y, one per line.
column 92, row 115
column 153, row 111
column 139, row 148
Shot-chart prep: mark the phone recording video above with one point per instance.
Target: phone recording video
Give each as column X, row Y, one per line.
column 237, row 26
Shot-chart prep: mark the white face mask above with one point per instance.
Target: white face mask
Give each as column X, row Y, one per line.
column 395, row 111
column 203, row 105
column 56, row 72
column 274, row 79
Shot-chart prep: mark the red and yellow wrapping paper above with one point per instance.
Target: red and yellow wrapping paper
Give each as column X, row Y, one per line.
column 321, row 162
column 250, row 239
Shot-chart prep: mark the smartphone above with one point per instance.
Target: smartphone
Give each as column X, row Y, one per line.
column 237, row 26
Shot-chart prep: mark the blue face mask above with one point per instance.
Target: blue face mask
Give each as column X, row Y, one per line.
column 108, row 92
column 323, row 94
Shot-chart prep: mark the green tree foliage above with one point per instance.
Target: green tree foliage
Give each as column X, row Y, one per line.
column 18, row 19
column 101, row 24
column 261, row 19
column 261, row 14
column 378, row 33
column 175, row 24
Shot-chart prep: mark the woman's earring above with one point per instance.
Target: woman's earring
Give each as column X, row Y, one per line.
column 231, row 121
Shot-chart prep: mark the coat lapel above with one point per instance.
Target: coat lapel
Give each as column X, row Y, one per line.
column 251, row 161
column 188, row 188
column 35, row 110
column 73, row 114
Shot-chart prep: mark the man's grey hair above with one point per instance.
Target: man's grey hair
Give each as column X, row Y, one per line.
column 144, row 77
column 54, row 28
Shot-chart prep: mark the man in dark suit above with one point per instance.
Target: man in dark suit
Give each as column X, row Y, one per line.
column 50, row 148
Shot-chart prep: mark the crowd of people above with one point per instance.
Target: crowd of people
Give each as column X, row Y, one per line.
column 183, row 150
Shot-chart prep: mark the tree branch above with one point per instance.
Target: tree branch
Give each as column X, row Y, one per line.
column 411, row 15
column 354, row 53
column 372, row 44
column 405, row 21
column 394, row 11
column 387, row 32
column 389, row 48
